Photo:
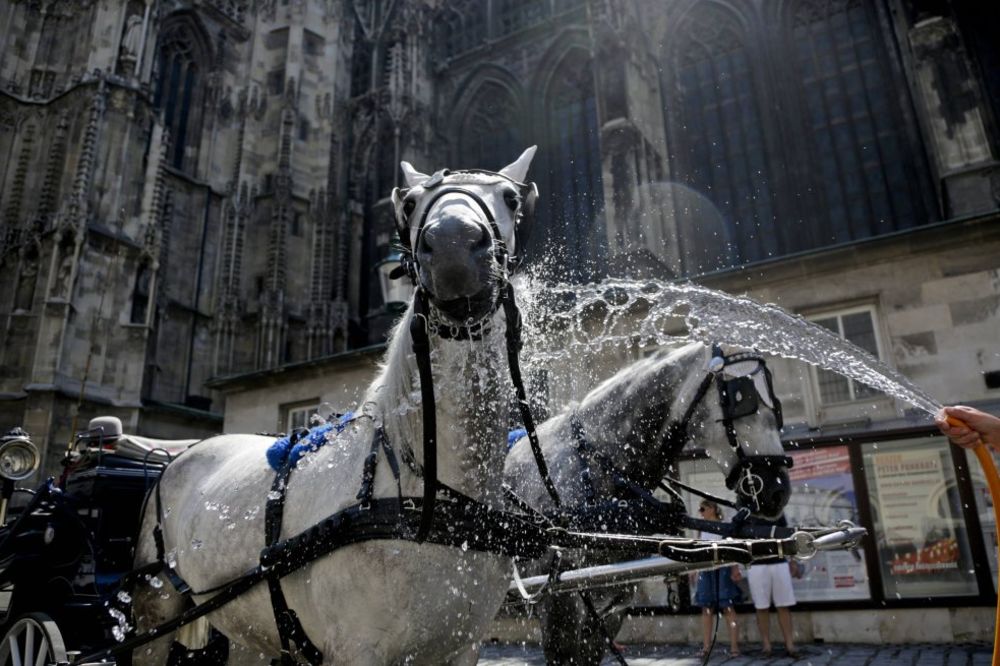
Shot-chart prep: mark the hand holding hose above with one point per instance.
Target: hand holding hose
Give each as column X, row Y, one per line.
column 971, row 429
column 967, row 427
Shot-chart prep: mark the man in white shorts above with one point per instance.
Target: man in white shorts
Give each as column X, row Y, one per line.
column 771, row 580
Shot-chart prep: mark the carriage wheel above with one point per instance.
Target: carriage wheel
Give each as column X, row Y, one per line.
column 34, row 640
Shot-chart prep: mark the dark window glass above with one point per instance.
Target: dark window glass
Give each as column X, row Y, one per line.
column 490, row 138
column 781, row 146
column 719, row 149
column 575, row 189
column 178, row 95
column 870, row 186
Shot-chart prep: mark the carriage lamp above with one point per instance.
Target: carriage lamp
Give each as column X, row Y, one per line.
column 18, row 460
column 18, row 456
column 395, row 293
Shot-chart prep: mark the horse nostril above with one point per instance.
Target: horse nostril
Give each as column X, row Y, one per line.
column 485, row 240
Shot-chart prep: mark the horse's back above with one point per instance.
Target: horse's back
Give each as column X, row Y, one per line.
column 212, row 507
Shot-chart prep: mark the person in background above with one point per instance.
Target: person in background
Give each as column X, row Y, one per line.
column 771, row 580
column 975, row 426
column 716, row 591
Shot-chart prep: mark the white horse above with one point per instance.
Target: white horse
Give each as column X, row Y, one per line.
column 380, row 601
column 635, row 421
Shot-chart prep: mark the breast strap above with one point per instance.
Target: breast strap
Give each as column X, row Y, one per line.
column 457, row 520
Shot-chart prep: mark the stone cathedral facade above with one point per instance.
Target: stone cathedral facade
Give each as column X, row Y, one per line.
column 194, row 189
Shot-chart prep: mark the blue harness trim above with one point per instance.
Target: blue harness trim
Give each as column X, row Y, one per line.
column 282, row 450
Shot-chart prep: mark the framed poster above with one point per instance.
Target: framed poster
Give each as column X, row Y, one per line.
column 823, row 494
column 921, row 535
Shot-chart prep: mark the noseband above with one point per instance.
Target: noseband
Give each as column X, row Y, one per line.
column 738, row 398
column 499, row 245
column 500, row 250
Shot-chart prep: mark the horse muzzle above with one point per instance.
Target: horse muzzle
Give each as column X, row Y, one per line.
column 457, row 268
column 761, row 484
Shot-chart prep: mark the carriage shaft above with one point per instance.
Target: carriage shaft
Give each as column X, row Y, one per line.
column 606, row 575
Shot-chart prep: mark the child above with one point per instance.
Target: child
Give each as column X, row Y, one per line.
column 716, row 590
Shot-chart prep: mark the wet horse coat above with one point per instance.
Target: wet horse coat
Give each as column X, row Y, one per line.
column 378, row 602
column 626, row 419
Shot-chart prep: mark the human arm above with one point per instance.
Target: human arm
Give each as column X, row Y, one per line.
column 967, row 426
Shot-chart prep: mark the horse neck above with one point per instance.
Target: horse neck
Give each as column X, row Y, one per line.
column 470, row 379
column 627, row 418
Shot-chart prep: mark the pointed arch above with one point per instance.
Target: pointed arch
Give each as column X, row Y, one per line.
column 716, row 133
column 573, row 167
column 490, row 118
column 184, row 58
column 861, row 138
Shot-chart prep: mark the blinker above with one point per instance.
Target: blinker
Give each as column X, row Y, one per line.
column 740, row 396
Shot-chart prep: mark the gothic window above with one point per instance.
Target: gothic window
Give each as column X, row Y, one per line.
column 718, row 146
column 140, row 294
column 361, row 63
column 786, row 134
column 313, row 44
column 179, row 93
column 489, row 136
column 864, row 171
column 276, row 81
column 574, row 155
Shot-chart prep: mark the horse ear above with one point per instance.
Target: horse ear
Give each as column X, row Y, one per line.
column 402, row 223
column 518, row 169
column 412, row 176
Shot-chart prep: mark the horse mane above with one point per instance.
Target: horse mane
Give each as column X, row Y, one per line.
column 633, row 377
column 636, row 412
column 394, row 382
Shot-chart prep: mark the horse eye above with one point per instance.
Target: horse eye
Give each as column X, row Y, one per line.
column 511, row 198
column 408, row 206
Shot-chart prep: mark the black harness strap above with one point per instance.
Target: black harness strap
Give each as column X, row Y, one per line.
column 289, row 627
column 422, row 351
column 514, row 344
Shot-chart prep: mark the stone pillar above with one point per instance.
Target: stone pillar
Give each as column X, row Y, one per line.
column 952, row 100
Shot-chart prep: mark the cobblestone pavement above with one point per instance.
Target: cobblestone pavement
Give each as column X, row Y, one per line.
column 962, row 654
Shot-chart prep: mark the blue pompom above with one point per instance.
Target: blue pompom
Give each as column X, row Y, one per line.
column 283, row 450
column 278, row 452
column 515, row 435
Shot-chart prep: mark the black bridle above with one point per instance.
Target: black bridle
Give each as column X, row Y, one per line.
column 523, row 215
column 419, row 329
column 738, row 398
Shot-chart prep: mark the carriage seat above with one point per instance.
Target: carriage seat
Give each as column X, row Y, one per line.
column 105, row 432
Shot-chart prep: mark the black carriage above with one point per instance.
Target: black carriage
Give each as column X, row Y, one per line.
column 65, row 548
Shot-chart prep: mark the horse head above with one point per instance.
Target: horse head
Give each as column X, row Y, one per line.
column 740, row 422
column 724, row 403
column 463, row 232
